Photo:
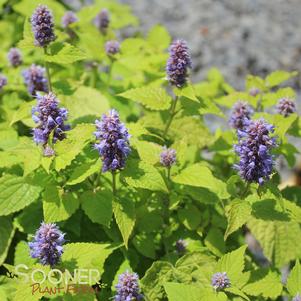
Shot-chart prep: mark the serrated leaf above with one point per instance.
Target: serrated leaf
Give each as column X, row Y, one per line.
column 180, row 292
column 23, row 112
column 22, row 255
column 148, row 151
column 86, row 101
column 187, row 92
column 277, row 77
column 140, row 174
column 190, row 217
column 201, row 176
column 6, row 236
column 67, row 149
column 159, row 33
column 214, row 242
column 98, row 206
column 83, row 171
column 68, row 54
column 233, row 264
column 267, row 287
column 16, row 194
column 153, row 98
column 124, row 212
column 238, row 213
column 293, row 284
column 87, row 255
column 57, row 205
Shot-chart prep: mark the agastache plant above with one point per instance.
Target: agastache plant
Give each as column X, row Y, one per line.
column 3, row 81
column 240, row 115
column 128, row 287
column 47, row 245
column 50, row 120
column 102, row 20
column 35, row 79
column 220, row 281
column 254, row 149
column 14, row 57
column 286, row 106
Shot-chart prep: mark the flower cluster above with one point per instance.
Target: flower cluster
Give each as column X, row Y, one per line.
column 69, row 18
column 14, row 57
column 50, row 119
column 112, row 47
column 3, row 81
column 35, row 79
column 128, row 287
column 47, row 245
column 254, row 91
column 241, row 114
column 286, row 106
column 254, row 149
column 181, row 245
column 42, row 26
column 178, row 63
column 102, row 20
column 220, row 281
column 297, row 298
column 168, row 157
column 113, row 144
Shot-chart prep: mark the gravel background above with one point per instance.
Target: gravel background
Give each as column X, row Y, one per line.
column 237, row 36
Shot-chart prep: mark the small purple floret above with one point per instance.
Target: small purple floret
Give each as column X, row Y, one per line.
column 69, row 18
column 254, row 149
column 286, row 106
column 220, row 281
column 240, row 115
column 181, row 245
column 113, row 145
column 3, row 81
column 112, row 47
column 168, row 157
column 47, row 245
column 35, row 79
column 178, row 63
column 14, row 57
column 102, row 20
column 42, row 26
column 128, row 287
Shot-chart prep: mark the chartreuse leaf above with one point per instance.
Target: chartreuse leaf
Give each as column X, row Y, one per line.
column 201, row 176
column 187, row 92
column 23, row 113
column 67, row 149
column 68, row 54
column 21, row 254
column 238, row 213
column 159, row 33
column 277, row 238
column 277, row 77
column 83, row 171
column 148, row 151
column 190, row 216
column 233, row 264
column 124, row 212
column 293, row 284
column 6, row 236
column 16, row 194
column 153, row 98
column 268, row 286
column 86, row 101
column 214, row 242
column 87, row 255
column 58, row 205
column 98, row 206
column 180, row 292
column 140, row 174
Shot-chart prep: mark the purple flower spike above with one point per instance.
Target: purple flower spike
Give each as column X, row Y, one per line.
column 128, row 287
column 50, row 119
column 14, row 57
column 178, row 63
column 3, row 81
column 35, row 79
column 220, row 281
column 241, row 114
column 42, row 26
column 286, row 106
column 69, row 18
column 47, row 245
column 112, row 47
column 254, row 149
column 168, row 157
column 113, row 145
column 297, row 298
column 102, row 20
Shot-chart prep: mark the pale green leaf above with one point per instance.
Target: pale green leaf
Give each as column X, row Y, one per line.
column 277, row 77
column 6, row 236
column 159, row 33
column 293, row 284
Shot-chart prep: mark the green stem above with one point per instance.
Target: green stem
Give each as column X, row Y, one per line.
column 114, row 183
column 47, row 71
column 172, row 114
